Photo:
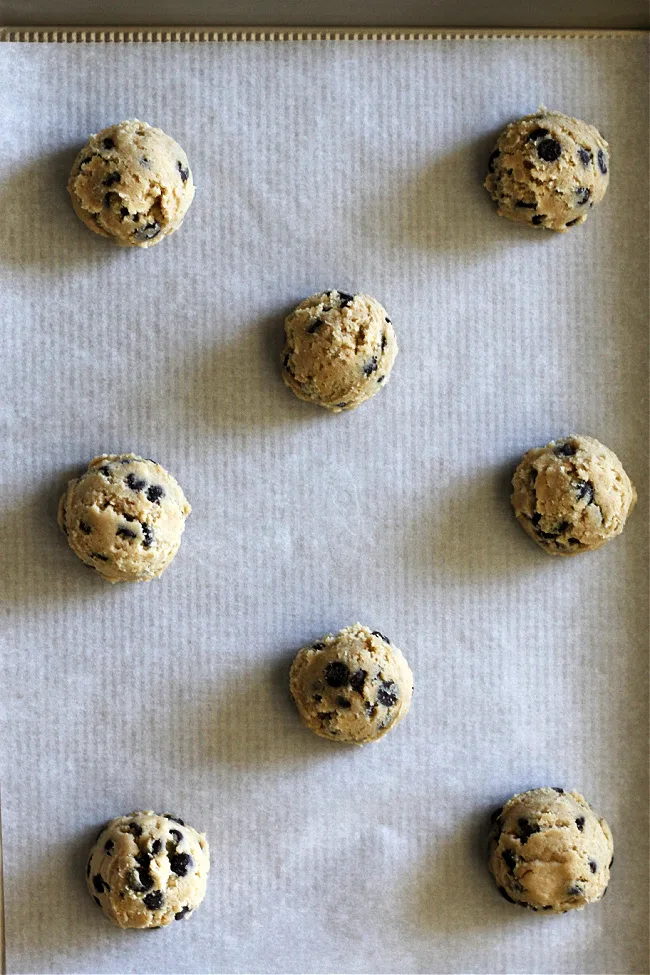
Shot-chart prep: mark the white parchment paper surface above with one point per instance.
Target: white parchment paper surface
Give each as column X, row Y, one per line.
column 320, row 165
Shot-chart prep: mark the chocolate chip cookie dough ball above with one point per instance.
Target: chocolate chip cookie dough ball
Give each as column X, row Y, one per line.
column 131, row 183
column 339, row 350
column 549, row 851
column 124, row 517
column 548, row 170
column 146, row 870
column 572, row 495
column 352, row 687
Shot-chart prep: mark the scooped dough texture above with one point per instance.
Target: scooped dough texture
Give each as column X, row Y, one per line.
column 131, row 183
column 572, row 495
column 547, row 170
column 146, row 871
column 351, row 687
column 339, row 349
column 124, row 517
column 549, row 851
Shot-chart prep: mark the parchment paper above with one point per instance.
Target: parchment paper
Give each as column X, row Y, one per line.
column 359, row 166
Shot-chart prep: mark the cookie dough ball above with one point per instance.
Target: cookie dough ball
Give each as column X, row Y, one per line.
column 146, row 870
column 549, row 851
column 339, row 350
column 548, row 170
column 131, row 183
column 352, row 687
column 572, row 495
column 124, row 517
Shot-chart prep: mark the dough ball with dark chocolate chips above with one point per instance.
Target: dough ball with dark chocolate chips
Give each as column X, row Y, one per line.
column 548, row 170
column 124, row 517
column 131, row 183
column 339, row 349
column 351, row 687
column 549, row 851
column 572, row 495
column 146, row 870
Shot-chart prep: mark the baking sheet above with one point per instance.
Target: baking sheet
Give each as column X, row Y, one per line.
column 355, row 165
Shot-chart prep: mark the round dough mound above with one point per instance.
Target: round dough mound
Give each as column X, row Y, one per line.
column 572, row 495
column 339, row 349
column 131, row 183
column 352, row 687
column 549, row 851
column 548, row 170
column 146, row 871
column 124, row 517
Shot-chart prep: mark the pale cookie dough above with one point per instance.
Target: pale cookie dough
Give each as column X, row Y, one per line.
column 124, row 517
column 351, row 687
column 547, row 170
column 549, row 851
column 146, row 870
column 131, row 183
column 572, row 495
column 339, row 349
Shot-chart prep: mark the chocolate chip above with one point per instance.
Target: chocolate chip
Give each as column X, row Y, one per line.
column 124, row 212
column 564, row 449
column 97, row 901
column 86, row 160
column 135, row 483
column 176, row 833
column 383, row 341
column 86, row 529
column 108, row 144
column 547, row 907
column 557, row 789
column 182, row 913
column 326, row 715
column 509, row 859
column 98, row 555
column 538, row 218
column 611, row 862
column 345, row 299
column 549, row 150
column 181, row 863
column 574, row 541
column 496, row 814
column 315, row 325
column 572, row 222
column 136, row 218
column 370, row 709
column 154, row 900
column 113, row 178
column 100, row 884
column 602, row 162
column 586, row 490
column 562, row 527
column 105, row 471
column 155, row 493
column 147, row 532
column 108, row 847
column 527, row 206
column 505, row 894
column 580, row 823
column 388, row 694
column 144, row 877
column 126, row 533
column 108, row 199
column 357, row 681
column 381, row 379
column 536, row 518
column 318, row 698
column 370, row 367
column 136, row 829
column 174, row 819
column 184, row 171
column 575, row 891
column 582, row 195
column 336, row 673
column 156, row 846
column 593, row 866
column 380, row 636
column 343, row 702
column 493, row 155
column 526, row 829
column 537, row 134
column 341, row 406
column 584, row 156
column 318, row 645
column 148, row 232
